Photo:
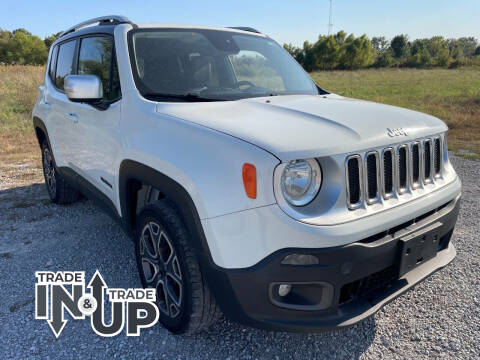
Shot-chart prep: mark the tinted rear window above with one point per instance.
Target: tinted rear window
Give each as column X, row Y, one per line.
column 53, row 63
column 64, row 62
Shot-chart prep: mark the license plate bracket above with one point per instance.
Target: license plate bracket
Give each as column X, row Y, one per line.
column 418, row 248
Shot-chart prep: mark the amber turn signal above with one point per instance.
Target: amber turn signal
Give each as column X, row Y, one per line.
column 249, row 174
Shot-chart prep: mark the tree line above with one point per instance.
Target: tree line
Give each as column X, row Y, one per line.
column 342, row 51
column 330, row 52
column 23, row 48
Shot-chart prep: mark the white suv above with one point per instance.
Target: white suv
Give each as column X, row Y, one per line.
column 244, row 185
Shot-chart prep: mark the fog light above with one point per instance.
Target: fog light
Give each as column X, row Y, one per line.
column 308, row 296
column 284, row 289
column 300, row 259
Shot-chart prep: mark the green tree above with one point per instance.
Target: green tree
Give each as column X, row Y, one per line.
column 296, row 52
column 49, row 40
column 380, row 44
column 468, row 44
column 457, row 52
column 326, row 53
column 22, row 30
column 358, row 53
column 5, row 37
column 399, row 45
column 421, row 58
column 25, row 49
column 309, row 56
column 439, row 50
column 384, row 60
column 418, row 45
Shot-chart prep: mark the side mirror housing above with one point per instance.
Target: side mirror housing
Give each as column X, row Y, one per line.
column 83, row 88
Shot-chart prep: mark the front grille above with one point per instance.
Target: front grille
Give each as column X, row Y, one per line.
column 437, row 160
column 415, row 165
column 388, row 173
column 372, row 177
column 402, row 168
column 427, row 160
column 392, row 171
column 354, row 184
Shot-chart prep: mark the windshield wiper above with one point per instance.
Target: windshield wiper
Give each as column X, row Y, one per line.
column 186, row 97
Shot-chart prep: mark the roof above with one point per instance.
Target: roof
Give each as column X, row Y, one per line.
column 237, row 29
column 106, row 25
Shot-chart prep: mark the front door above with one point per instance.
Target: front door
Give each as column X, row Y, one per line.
column 59, row 108
column 96, row 126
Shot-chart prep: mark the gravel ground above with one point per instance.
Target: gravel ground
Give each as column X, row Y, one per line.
column 439, row 318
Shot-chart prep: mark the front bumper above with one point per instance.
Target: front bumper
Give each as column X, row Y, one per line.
column 363, row 276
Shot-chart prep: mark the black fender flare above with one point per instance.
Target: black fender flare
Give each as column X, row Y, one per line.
column 133, row 173
column 39, row 127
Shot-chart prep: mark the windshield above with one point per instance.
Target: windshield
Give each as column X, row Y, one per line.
column 209, row 65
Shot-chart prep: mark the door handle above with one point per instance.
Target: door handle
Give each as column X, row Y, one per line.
column 73, row 117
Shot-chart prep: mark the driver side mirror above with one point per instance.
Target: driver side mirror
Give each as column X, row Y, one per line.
column 83, row 88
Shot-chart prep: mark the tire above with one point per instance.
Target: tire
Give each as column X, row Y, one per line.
column 59, row 190
column 166, row 262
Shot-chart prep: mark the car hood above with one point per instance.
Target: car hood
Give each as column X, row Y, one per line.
column 302, row 126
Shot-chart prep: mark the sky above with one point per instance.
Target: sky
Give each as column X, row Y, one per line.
column 287, row 21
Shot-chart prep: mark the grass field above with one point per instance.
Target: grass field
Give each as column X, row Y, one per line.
column 452, row 95
column 19, row 155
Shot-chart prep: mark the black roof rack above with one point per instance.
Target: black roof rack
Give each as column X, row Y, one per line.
column 245, row 28
column 102, row 20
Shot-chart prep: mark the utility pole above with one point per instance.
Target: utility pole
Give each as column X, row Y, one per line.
column 330, row 25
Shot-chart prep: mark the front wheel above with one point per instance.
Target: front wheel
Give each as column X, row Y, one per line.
column 167, row 263
column 59, row 190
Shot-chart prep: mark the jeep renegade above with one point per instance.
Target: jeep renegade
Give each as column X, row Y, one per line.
column 247, row 189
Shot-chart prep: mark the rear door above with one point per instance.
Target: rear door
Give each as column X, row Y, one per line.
column 59, row 116
column 96, row 126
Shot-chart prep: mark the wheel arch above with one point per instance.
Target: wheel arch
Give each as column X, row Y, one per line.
column 133, row 175
column 41, row 131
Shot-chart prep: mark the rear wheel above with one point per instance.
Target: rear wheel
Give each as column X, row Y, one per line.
column 59, row 190
column 166, row 262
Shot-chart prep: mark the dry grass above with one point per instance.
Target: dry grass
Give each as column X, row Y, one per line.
column 18, row 92
column 451, row 95
column 20, row 162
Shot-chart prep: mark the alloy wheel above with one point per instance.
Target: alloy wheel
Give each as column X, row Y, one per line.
column 49, row 171
column 161, row 268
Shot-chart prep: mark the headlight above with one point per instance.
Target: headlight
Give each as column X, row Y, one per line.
column 301, row 180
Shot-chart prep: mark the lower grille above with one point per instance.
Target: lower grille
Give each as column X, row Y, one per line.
column 367, row 285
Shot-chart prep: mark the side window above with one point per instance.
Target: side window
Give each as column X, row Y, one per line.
column 64, row 62
column 53, row 63
column 96, row 58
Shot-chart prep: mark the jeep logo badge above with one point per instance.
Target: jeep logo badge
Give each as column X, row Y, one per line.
column 396, row 132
